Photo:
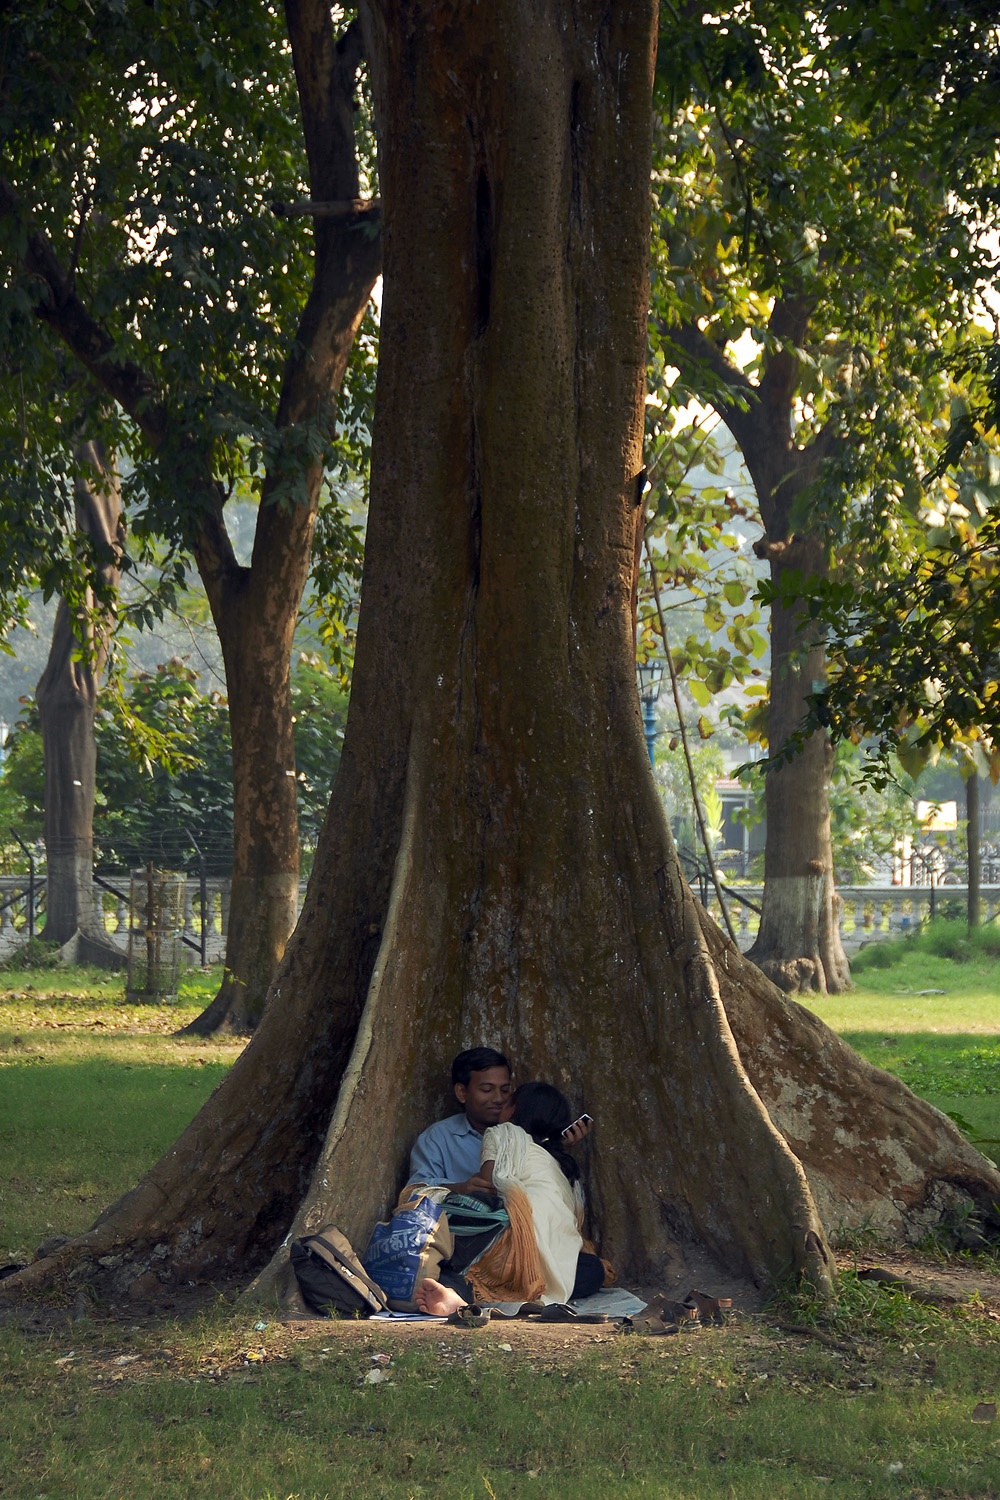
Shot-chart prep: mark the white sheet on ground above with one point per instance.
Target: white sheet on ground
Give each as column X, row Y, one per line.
column 613, row 1300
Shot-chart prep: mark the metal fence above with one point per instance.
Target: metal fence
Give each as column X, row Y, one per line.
column 203, row 928
column 867, row 912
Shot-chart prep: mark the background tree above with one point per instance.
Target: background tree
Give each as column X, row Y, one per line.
column 164, row 789
column 67, row 703
column 140, row 149
column 495, row 863
column 789, row 216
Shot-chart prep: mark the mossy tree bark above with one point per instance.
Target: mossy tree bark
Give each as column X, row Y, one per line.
column 798, row 944
column 495, row 865
column 66, row 696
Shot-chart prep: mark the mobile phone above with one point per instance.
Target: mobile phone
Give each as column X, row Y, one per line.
column 583, row 1120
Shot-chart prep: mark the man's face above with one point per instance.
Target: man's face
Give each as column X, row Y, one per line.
column 484, row 1097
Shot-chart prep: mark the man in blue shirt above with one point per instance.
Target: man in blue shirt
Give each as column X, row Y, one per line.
column 447, row 1153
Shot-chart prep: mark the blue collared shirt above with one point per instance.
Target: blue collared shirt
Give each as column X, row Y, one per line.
column 447, row 1151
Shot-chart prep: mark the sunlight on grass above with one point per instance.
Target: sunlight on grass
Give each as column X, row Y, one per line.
column 92, row 1091
column 931, row 1020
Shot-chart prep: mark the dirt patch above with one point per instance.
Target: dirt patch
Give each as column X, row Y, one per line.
column 952, row 1277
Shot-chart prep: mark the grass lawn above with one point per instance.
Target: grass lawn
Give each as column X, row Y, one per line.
column 227, row 1409
column 91, row 1092
column 231, row 1405
column 931, row 1019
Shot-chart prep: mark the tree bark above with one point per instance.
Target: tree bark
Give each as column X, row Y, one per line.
column 67, row 701
column 495, row 866
column 798, row 943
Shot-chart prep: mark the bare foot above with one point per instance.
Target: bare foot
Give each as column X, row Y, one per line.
column 436, row 1300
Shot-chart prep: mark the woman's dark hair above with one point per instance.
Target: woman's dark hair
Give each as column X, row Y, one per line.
column 541, row 1110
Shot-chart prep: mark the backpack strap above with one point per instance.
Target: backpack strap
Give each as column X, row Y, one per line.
column 355, row 1268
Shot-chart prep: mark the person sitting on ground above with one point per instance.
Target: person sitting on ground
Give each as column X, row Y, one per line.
column 542, row 1256
column 447, row 1153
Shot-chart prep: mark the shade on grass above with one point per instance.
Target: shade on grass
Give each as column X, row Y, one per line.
column 714, row 1415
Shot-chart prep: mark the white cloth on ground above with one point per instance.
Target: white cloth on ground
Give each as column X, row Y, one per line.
column 556, row 1204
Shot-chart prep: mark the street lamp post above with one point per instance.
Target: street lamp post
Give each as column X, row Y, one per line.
column 650, row 675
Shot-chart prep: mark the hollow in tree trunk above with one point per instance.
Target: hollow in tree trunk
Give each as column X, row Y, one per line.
column 495, row 866
column 67, row 702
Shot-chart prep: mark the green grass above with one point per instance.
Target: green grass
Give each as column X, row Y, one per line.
column 225, row 1409
column 927, row 1008
column 92, row 1090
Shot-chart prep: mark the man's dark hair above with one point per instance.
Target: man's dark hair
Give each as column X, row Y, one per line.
column 476, row 1060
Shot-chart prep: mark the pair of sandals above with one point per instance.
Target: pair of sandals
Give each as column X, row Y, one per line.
column 660, row 1318
column 475, row 1316
column 663, row 1317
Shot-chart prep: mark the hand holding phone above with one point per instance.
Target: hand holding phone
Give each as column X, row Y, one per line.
column 579, row 1129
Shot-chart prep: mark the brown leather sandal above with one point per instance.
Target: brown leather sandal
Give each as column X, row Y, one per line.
column 708, row 1309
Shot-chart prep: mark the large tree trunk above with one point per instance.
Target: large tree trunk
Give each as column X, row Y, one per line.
column 495, row 866
column 67, row 702
column 798, row 944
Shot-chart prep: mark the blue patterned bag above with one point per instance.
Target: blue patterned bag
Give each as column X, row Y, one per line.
column 407, row 1249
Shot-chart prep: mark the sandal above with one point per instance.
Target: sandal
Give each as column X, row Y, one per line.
column 709, row 1309
column 668, row 1311
column 652, row 1327
column 561, row 1312
column 472, row 1316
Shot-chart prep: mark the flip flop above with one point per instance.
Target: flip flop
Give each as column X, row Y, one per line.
column 561, row 1312
column 472, row 1316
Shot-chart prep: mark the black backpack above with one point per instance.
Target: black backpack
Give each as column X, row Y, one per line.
column 331, row 1278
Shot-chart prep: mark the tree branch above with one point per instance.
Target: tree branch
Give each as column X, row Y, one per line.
column 325, row 70
column 125, row 381
column 347, row 208
column 735, row 408
column 788, row 324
